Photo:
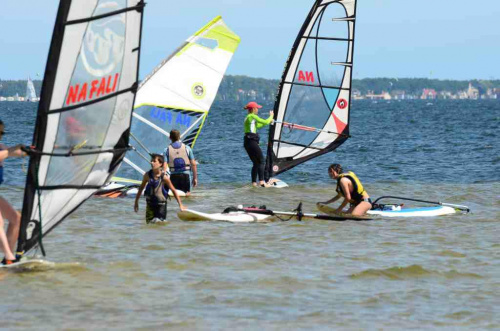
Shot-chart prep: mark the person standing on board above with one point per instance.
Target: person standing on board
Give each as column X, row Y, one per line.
column 251, row 140
column 350, row 188
column 156, row 194
column 8, row 240
column 180, row 160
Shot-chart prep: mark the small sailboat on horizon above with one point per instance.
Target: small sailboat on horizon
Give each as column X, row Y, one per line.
column 30, row 91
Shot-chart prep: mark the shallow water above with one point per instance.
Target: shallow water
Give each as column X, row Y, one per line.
column 114, row 271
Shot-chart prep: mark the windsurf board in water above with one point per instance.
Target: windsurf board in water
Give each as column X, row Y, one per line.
column 242, row 214
column 277, row 183
column 29, row 265
column 398, row 211
column 234, row 217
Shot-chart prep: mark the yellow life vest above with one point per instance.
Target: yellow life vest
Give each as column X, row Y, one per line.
column 358, row 190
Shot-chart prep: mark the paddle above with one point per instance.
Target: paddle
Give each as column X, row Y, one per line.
column 300, row 215
column 460, row 207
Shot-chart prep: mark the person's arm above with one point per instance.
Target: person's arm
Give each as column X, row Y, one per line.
column 166, row 181
column 194, row 167
column 14, row 151
column 145, row 180
column 4, row 154
column 332, row 200
column 347, row 194
column 165, row 164
column 260, row 122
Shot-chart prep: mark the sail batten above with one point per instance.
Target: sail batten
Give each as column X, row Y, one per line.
column 313, row 101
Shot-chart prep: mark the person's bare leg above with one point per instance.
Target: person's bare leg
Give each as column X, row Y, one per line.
column 4, row 243
column 361, row 208
column 14, row 218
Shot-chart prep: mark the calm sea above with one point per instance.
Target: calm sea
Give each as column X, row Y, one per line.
column 113, row 271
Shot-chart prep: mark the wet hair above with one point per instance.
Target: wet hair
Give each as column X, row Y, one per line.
column 175, row 135
column 1, row 122
column 157, row 157
column 335, row 167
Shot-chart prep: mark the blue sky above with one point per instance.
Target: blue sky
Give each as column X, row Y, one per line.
column 440, row 39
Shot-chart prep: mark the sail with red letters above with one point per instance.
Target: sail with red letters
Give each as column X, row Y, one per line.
column 85, row 111
column 314, row 97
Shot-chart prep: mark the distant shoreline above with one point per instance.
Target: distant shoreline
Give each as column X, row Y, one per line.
column 243, row 88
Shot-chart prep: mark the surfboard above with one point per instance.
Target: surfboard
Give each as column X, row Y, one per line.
column 234, row 217
column 242, row 214
column 332, row 212
column 398, row 211
column 29, row 265
column 415, row 212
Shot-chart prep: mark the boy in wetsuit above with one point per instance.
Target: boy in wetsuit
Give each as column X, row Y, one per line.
column 156, row 193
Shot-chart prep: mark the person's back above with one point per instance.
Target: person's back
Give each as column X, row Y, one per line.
column 182, row 164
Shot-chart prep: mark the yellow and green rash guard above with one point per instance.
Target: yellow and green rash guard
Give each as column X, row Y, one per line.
column 254, row 122
column 358, row 190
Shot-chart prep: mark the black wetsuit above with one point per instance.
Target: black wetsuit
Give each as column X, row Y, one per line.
column 251, row 144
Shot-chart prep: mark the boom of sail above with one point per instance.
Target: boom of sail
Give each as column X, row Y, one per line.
column 179, row 92
column 314, row 97
column 84, row 115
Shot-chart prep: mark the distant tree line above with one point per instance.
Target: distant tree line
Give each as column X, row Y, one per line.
column 416, row 85
column 9, row 88
column 242, row 88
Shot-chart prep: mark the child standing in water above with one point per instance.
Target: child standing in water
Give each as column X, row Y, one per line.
column 156, row 194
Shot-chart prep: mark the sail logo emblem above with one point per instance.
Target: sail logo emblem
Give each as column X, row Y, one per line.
column 104, row 42
column 198, row 90
column 306, row 76
column 342, row 103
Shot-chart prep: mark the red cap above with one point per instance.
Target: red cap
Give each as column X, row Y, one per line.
column 252, row 105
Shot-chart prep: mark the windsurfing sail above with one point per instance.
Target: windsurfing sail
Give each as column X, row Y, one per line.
column 30, row 91
column 179, row 92
column 85, row 110
column 314, row 97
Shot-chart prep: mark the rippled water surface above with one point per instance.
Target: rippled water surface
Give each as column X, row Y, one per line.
column 114, row 271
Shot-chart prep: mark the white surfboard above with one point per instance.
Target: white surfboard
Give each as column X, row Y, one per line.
column 234, row 217
column 276, row 183
column 415, row 212
column 400, row 212
column 29, row 265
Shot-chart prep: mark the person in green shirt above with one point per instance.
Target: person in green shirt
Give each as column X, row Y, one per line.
column 251, row 140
